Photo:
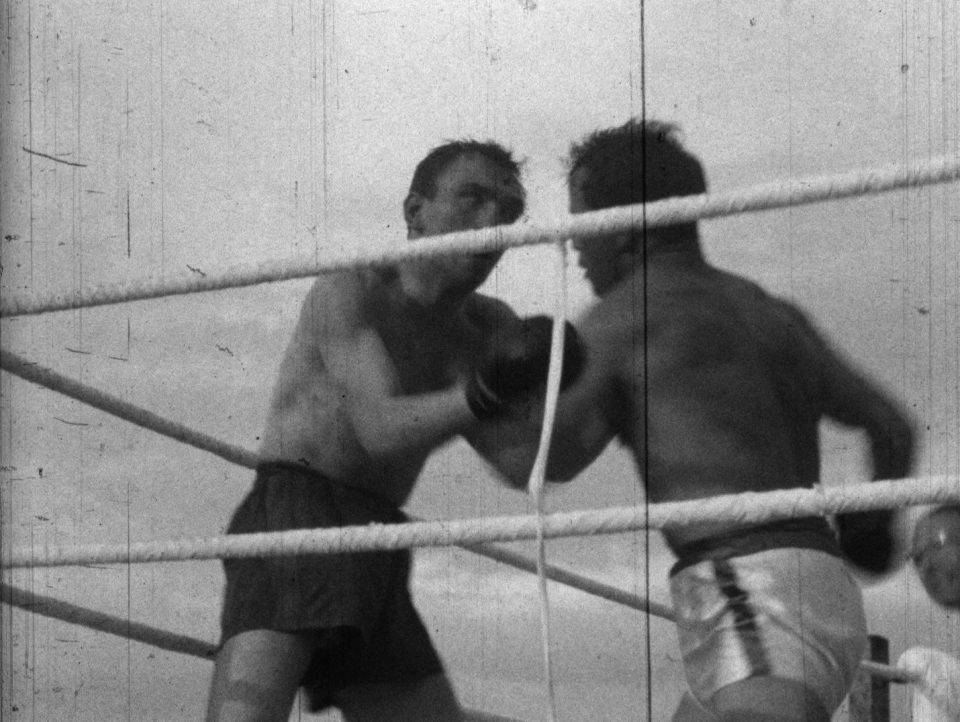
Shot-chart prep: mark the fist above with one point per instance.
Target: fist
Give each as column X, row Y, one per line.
column 867, row 540
column 510, row 374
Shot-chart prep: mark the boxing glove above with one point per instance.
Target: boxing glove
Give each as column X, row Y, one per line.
column 511, row 373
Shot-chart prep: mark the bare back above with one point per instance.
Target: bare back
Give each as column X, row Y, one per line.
column 716, row 386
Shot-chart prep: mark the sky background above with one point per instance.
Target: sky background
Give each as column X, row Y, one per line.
column 195, row 136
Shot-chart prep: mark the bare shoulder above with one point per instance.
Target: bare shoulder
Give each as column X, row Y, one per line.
column 335, row 301
column 613, row 320
column 769, row 314
column 788, row 312
column 796, row 323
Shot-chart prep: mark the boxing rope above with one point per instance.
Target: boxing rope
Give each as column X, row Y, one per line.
column 146, row 419
column 595, row 224
column 538, row 473
column 913, row 667
column 29, row 371
column 746, row 509
column 735, row 508
column 137, row 632
column 102, row 622
column 183, row 644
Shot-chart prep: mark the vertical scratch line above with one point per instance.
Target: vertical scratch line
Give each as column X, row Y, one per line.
column 312, row 139
column 31, row 652
column 129, row 612
column 905, row 197
column 128, row 221
column 30, row 127
column 78, row 193
column 162, row 189
column 324, row 118
column 126, row 141
column 648, row 628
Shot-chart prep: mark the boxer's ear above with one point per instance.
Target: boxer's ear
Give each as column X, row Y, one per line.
column 412, row 205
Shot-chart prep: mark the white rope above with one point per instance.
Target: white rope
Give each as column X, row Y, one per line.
column 575, row 580
column 29, row 371
column 586, row 226
column 107, row 623
column 749, row 508
column 886, row 672
column 146, row 419
column 143, row 633
column 766, row 196
column 182, row 644
column 539, row 471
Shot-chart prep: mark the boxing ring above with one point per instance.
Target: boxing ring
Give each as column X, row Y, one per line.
column 933, row 677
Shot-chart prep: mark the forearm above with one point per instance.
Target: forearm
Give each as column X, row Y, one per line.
column 867, row 538
column 892, row 445
column 582, row 428
column 392, row 426
column 511, row 445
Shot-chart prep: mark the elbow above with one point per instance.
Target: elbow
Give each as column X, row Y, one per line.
column 515, row 473
column 893, row 449
column 564, row 467
column 560, row 474
column 521, row 482
column 516, row 483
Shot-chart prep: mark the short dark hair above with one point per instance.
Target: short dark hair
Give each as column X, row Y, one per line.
column 639, row 161
column 436, row 161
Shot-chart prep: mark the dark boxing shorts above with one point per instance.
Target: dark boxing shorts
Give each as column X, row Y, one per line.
column 357, row 605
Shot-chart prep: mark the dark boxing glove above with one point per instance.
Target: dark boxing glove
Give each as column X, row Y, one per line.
column 866, row 540
column 509, row 374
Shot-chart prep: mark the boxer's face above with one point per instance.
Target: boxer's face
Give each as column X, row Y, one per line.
column 600, row 258
column 471, row 192
column 936, row 555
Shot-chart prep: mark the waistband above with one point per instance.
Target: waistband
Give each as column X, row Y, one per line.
column 267, row 469
column 804, row 533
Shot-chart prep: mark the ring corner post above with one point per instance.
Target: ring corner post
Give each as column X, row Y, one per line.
column 870, row 694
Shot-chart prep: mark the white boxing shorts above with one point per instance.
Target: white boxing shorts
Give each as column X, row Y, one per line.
column 793, row 613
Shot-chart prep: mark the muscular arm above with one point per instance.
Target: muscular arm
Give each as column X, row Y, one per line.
column 581, row 428
column 583, row 425
column 857, row 402
column 866, row 538
column 851, row 399
column 597, row 407
column 357, row 374
column 508, row 443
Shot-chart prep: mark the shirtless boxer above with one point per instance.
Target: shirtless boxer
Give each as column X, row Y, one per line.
column 382, row 369
column 717, row 388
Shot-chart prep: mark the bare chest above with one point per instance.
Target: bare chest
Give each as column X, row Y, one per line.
column 428, row 357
